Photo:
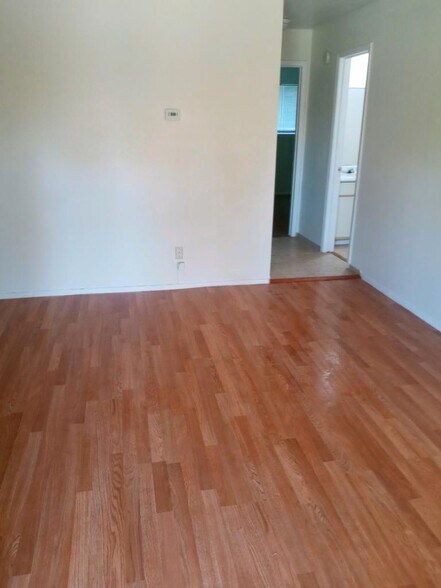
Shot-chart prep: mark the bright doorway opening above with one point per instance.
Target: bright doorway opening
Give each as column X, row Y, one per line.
column 346, row 154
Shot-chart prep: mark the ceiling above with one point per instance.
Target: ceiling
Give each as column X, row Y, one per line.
column 309, row 13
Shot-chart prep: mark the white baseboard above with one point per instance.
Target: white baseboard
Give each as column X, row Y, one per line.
column 435, row 323
column 122, row 289
column 430, row 320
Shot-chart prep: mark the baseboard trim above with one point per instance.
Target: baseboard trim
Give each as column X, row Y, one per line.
column 128, row 289
column 315, row 279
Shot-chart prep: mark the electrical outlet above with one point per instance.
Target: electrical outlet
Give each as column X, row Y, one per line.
column 179, row 253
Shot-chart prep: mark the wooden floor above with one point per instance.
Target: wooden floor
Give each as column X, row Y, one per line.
column 283, row 435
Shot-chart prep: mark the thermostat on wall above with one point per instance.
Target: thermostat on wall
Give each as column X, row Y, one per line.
column 172, row 114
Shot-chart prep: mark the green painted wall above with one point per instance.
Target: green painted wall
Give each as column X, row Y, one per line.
column 289, row 75
column 284, row 163
column 286, row 143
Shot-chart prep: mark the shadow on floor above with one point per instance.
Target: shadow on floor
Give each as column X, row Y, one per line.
column 282, row 209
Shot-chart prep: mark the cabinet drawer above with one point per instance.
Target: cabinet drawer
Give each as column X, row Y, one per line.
column 344, row 219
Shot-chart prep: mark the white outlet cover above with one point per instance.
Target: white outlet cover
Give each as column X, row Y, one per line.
column 172, row 114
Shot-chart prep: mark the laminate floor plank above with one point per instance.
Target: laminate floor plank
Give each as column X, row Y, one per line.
column 281, row 435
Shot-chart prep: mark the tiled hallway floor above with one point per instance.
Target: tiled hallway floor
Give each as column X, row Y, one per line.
column 296, row 257
column 342, row 251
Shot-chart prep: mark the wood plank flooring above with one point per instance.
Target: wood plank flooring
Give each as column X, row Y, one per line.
column 282, row 435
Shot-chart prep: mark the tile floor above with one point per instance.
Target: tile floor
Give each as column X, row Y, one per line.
column 342, row 251
column 299, row 258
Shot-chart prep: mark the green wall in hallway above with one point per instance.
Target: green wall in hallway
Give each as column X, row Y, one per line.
column 284, row 163
column 286, row 142
column 289, row 75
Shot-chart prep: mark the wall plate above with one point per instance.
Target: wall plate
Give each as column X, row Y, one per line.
column 172, row 114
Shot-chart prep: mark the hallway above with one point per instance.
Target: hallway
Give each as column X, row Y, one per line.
column 296, row 257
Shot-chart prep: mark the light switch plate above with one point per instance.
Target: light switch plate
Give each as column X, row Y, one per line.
column 172, row 114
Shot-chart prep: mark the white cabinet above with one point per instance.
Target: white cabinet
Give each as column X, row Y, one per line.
column 345, row 211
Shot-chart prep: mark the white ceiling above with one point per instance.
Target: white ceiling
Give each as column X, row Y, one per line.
column 308, row 13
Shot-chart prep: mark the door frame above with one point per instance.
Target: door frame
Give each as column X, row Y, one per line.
column 333, row 182
column 299, row 151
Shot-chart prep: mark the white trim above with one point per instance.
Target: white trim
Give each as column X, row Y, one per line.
column 430, row 320
column 122, row 289
column 299, row 153
column 333, row 183
column 331, row 202
column 361, row 153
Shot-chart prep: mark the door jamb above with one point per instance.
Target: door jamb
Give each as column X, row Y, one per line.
column 331, row 204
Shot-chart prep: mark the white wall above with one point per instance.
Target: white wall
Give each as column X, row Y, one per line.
column 397, row 237
column 297, row 45
column 96, row 188
column 352, row 126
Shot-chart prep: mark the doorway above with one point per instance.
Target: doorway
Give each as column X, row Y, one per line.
column 294, row 257
column 345, row 158
column 286, row 148
column 291, row 139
